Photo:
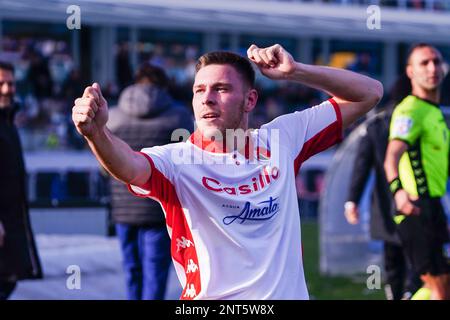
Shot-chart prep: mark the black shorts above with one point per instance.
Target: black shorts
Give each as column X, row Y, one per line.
column 423, row 237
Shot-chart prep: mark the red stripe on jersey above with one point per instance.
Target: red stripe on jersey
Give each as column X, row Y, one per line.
column 182, row 243
column 324, row 139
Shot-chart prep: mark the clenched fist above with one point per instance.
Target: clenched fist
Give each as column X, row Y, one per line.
column 404, row 204
column 90, row 112
column 274, row 62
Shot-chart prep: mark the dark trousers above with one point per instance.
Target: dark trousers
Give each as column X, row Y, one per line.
column 146, row 260
column 399, row 275
column 6, row 289
column 424, row 236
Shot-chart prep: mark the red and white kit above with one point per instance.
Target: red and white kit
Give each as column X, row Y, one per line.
column 234, row 218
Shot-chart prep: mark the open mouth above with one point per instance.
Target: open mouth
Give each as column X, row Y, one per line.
column 210, row 116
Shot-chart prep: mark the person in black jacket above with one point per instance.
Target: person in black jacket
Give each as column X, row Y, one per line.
column 18, row 255
column 145, row 116
column 370, row 154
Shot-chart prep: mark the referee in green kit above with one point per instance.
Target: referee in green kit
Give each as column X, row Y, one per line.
column 416, row 167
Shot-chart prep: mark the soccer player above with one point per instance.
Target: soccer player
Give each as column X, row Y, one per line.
column 229, row 198
column 416, row 167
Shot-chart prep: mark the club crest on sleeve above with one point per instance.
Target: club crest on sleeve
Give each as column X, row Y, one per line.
column 402, row 126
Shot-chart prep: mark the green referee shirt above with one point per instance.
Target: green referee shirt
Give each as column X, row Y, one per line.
column 423, row 169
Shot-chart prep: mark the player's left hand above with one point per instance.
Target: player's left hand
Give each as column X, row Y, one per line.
column 274, row 62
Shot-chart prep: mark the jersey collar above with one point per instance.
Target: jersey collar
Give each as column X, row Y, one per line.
column 427, row 101
column 219, row 147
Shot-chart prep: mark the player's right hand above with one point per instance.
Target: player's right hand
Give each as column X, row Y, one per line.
column 404, row 204
column 274, row 62
column 90, row 112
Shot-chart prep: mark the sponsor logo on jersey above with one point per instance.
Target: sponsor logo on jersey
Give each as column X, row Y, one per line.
column 266, row 176
column 190, row 291
column 191, row 267
column 183, row 243
column 264, row 210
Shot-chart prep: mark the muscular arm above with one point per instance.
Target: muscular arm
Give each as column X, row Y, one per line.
column 119, row 159
column 356, row 94
column 90, row 114
column 394, row 151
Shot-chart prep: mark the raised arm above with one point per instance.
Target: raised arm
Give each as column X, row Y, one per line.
column 90, row 114
column 355, row 94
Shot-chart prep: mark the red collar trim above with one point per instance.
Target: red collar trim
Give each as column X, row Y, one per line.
column 217, row 147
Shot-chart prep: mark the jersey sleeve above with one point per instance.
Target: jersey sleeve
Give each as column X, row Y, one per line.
column 163, row 173
column 310, row 131
column 405, row 125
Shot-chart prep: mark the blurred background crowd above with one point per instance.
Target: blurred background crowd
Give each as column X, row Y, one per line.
column 48, row 82
column 53, row 64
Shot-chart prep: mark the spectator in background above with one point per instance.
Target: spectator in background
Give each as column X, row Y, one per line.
column 39, row 75
column 18, row 255
column 364, row 63
column 145, row 116
column 123, row 67
column 72, row 85
column 310, row 185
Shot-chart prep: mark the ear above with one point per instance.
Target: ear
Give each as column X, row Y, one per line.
column 409, row 71
column 251, row 99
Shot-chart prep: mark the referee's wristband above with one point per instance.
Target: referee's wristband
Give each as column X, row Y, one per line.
column 395, row 185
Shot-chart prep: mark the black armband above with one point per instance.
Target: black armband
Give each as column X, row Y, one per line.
column 395, row 185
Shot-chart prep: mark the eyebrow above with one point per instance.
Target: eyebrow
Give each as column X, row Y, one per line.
column 435, row 59
column 216, row 84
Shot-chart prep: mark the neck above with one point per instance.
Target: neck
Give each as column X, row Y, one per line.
column 238, row 139
column 224, row 144
column 241, row 134
column 430, row 95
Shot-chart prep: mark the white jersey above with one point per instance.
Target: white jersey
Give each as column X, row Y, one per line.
column 233, row 218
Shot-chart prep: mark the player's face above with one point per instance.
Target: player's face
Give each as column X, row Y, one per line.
column 7, row 88
column 425, row 68
column 219, row 99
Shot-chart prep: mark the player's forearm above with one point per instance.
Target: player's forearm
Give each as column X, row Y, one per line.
column 391, row 165
column 115, row 156
column 395, row 149
column 343, row 84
